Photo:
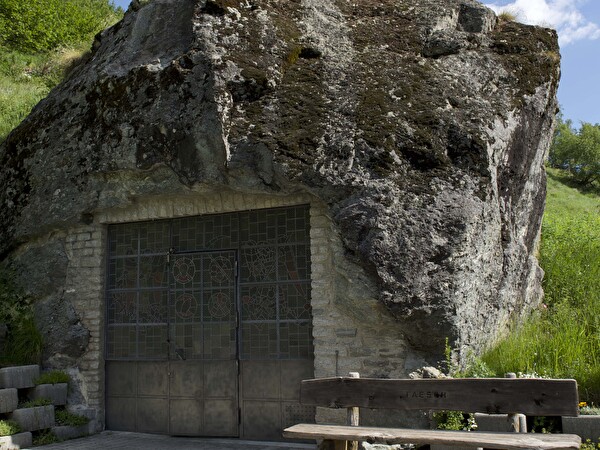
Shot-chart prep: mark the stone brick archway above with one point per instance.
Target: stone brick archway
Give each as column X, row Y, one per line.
column 208, row 323
column 349, row 326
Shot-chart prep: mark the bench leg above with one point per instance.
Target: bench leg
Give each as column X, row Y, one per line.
column 329, row 444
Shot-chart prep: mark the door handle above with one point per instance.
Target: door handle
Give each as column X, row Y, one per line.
column 180, row 352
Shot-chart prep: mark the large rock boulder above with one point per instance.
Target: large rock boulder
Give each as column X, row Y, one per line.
column 422, row 124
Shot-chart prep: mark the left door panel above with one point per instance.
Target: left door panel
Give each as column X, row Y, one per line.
column 179, row 398
column 171, row 352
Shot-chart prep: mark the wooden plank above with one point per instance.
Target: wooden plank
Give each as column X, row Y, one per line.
column 509, row 441
column 535, row 397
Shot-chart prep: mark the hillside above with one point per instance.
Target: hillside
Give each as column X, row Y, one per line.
column 37, row 50
column 563, row 339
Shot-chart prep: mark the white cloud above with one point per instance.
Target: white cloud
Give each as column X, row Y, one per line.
column 563, row 15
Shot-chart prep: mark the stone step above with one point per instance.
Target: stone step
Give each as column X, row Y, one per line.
column 493, row 422
column 19, row 377
column 588, row 427
column 56, row 393
column 9, row 399
column 69, row 432
column 32, row 419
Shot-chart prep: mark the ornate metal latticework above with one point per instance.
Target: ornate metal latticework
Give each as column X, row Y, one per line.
column 211, row 287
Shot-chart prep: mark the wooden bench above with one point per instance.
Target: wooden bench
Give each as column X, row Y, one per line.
column 533, row 397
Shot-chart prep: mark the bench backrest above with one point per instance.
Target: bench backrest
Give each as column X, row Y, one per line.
column 535, row 397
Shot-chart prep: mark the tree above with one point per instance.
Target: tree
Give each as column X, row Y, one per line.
column 577, row 151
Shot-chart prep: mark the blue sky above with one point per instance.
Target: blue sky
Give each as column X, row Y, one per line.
column 578, row 25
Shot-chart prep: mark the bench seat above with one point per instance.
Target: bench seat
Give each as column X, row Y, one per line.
column 509, row 441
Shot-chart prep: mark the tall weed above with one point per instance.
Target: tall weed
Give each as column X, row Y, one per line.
column 24, row 342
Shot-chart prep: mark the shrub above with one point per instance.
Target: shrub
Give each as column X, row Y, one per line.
column 35, row 403
column 454, row 420
column 24, row 341
column 44, row 437
column 589, row 445
column 8, row 428
column 53, row 377
column 66, row 418
column 15, row 304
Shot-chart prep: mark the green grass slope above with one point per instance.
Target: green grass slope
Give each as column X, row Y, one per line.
column 563, row 340
column 39, row 41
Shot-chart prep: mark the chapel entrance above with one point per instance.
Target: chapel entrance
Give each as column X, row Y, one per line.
column 208, row 324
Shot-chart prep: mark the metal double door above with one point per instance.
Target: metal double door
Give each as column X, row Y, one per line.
column 190, row 377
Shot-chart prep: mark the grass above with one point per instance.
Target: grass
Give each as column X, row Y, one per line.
column 44, row 437
column 23, row 345
column 66, row 418
column 35, row 403
column 563, row 340
column 25, row 79
column 507, row 16
column 8, row 428
column 53, row 377
column 24, row 342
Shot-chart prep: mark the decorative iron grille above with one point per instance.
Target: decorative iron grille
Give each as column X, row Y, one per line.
column 220, row 286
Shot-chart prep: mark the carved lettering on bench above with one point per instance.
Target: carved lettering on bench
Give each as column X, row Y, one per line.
column 426, row 394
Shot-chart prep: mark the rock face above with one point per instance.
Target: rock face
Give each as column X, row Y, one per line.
column 422, row 125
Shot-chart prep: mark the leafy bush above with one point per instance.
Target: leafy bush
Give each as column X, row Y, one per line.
column 66, row 418
column 454, row 420
column 53, row 377
column 8, row 428
column 39, row 25
column 589, row 445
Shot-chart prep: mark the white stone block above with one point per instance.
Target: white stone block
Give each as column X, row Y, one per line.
column 16, row 441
